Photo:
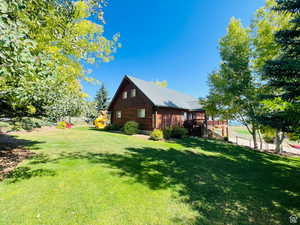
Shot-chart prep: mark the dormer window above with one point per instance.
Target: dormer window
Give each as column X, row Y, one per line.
column 133, row 92
column 124, row 94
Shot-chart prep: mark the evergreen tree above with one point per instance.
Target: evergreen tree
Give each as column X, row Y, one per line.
column 102, row 98
column 283, row 75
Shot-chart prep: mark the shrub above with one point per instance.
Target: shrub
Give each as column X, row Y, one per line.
column 179, row 132
column 25, row 123
column 16, row 126
column 268, row 134
column 167, row 133
column 29, row 124
column 64, row 124
column 294, row 136
column 156, row 135
column 61, row 125
column 131, row 127
column 268, row 138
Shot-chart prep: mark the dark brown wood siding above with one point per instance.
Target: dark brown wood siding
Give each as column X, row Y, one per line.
column 129, row 107
column 198, row 115
column 168, row 117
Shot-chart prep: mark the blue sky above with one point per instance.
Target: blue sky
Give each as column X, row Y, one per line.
column 173, row 40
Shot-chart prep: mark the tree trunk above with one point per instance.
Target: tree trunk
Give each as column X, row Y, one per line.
column 279, row 137
column 260, row 139
column 252, row 131
column 254, row 138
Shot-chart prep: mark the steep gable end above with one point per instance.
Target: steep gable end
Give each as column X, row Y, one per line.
column 127, row 85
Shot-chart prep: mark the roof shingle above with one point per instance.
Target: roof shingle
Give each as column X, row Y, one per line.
column 165, row 97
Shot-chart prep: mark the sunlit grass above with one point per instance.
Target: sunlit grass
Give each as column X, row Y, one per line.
column 87, row 177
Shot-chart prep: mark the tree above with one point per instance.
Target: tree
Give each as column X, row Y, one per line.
column 232, row 87
column 66, row 105
column 42, row 46
column 89, row 111
column 266, row 24
column 102, row 99
column 238, row 87
column 211, row 105
column 283, row 77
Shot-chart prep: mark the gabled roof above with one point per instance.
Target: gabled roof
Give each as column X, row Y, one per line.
column 165, row 97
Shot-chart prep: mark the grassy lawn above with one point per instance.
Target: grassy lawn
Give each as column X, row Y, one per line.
column 239, row 131
column 82, row 176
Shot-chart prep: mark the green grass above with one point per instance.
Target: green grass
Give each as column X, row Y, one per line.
column 82, row 176
column 239, row 130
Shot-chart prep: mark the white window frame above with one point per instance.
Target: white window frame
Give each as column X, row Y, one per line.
column 133, row 92
column 119, row 114
column 141, row 113
column 124, row 95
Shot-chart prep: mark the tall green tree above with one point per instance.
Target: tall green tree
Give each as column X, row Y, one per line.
column 267, row 22
column 246, row 88
column 102, row 99
column 232, row 87
column 43, row 44
column 283, row 76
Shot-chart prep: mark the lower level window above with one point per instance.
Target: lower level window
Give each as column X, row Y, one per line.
column 141, row 113
column 119, row 114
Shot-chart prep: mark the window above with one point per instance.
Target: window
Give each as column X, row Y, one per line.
column 124, row 94
column 141, row 113
column 119, row 114
column 133, row 92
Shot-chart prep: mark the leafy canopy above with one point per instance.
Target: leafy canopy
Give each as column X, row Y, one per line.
column 44, row 43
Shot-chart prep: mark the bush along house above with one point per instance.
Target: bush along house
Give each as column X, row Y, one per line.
column 156, row 107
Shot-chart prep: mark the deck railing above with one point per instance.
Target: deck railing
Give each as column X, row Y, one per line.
column 217, row 123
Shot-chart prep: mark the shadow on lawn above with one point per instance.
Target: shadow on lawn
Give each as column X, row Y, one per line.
column 9, row 142
column 227, row 185
column 24, row 172
column 12, row 152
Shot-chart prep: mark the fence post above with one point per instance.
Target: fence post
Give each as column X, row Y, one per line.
column 250, row 143
column 236, row 139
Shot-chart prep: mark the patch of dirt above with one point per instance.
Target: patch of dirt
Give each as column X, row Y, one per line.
column 9, row 159
column 11, row 154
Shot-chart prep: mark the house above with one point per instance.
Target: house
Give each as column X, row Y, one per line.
column 153, row 106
